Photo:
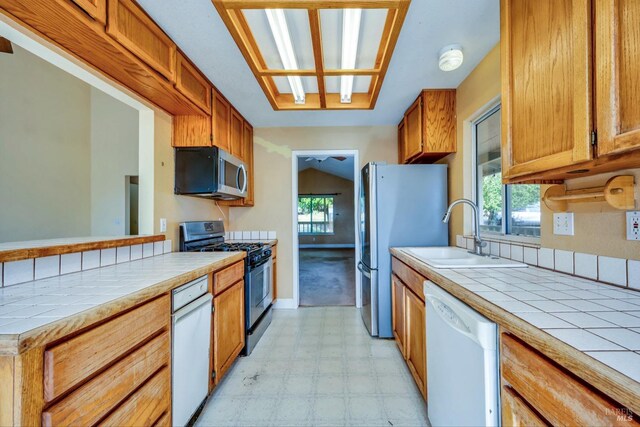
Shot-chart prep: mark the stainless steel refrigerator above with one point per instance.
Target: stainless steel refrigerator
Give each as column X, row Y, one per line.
column 400, row 205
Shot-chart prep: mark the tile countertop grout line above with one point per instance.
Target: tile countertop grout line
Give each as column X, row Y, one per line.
column 16, row 343
column 611, row 381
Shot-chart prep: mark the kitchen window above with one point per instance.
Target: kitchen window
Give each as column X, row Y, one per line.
column 315, row 215
column 519, row 204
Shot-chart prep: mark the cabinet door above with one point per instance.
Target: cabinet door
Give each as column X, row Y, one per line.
column 247, row 136
column 97, row 9
column 221, row 122
column 191, row 131
column 413, row 130
column 617, row 75
column 401, row 139
column 516, row 412
column 398, row 312
column 228, row 333
column 546, row 85
column 415, row 344
column 192, row 84
column 439, row 121
column 235, row 135
column 133, row 29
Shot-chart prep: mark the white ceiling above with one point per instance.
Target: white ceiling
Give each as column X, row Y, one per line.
column 340, row 168
column 430, row 24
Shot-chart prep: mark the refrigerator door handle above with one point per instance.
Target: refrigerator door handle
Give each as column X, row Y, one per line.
column 361, row 267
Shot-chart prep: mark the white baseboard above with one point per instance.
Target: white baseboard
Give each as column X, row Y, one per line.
column 285, row 304
column 328, row 246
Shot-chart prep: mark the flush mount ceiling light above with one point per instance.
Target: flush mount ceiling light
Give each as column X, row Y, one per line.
column 450, row 57
column 350, row 35
column 295, row 51
column 280, row 31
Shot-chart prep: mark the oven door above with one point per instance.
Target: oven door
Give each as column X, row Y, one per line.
column 258, row 291
column 232, row 175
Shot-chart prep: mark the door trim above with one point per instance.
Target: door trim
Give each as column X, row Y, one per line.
column 294, row 213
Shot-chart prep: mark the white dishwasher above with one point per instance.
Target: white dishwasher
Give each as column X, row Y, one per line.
column 462, row 362
column 191, row 327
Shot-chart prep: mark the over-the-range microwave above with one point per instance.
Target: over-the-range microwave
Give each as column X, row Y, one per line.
column 209, row 172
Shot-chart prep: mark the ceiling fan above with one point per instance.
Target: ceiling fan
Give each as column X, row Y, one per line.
column 321, row 159
column 5, row 46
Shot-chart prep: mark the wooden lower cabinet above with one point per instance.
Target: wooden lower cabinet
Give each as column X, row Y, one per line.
column 274, row 272
column 536, row 385
column 398, row 312
column 415, row 341
column 228, row 328
column 409, row 322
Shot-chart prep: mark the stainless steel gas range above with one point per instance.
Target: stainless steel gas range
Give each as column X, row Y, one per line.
column 208, row 236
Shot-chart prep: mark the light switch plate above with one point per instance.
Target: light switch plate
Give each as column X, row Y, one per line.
column 633, row 225
column 563, row 223
column 163, row 225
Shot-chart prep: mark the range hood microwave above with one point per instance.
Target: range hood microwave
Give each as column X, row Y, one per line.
column 209, row 172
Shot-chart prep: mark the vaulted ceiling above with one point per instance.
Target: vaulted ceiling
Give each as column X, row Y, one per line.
column 430, row 24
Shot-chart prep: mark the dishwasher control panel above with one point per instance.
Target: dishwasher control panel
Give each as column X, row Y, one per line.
column 188, row 292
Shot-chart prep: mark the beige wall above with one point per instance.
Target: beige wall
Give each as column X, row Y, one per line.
column 598, row 228
column 166, row 204
column 273, row 168
column 313, row 181
column 44, row 150
column 477, row 91
column 114, row 155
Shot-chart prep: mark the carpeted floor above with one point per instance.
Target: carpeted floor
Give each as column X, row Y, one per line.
column 327, row 277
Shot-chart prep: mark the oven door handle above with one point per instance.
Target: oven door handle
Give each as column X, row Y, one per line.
column 261, row 263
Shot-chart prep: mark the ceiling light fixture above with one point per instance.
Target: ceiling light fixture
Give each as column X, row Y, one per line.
column 282, row 37
column 451, row 57
column 350, row 34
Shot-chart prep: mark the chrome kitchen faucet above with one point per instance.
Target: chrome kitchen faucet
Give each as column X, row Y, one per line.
column 478, row 244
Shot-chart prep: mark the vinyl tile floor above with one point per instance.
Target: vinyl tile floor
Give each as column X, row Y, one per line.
column 317, row 366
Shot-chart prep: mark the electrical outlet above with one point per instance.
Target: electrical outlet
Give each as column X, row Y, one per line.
column 163, row 225
column 633, row 225
column 563, row 223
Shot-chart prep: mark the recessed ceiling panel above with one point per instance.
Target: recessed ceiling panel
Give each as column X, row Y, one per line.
column 371, row 28
column 360, row 84
column 310, row 84
column 331, row 26
column 281, row 47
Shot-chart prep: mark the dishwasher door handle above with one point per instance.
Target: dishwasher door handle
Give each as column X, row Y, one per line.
column 192, row 306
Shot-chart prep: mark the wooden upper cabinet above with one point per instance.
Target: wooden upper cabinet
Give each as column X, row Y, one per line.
column 546, row 85
column 192, row 131
column 236, row 129
column 133, row 29
column 97, row 9
column 401, row 156
column 429, row 127
column 221, row 120
column 247, row 136
column 413, row 141
column 617, row 75
column 192, row 84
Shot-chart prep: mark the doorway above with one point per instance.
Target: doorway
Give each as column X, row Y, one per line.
column 326, row 189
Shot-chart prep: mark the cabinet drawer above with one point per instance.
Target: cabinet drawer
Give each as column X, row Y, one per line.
column 146, row 406
column 73, row 361
column 93, row 400
column 133, row 29
column 192, row 84
column 227, row 277
column 516, row 412
column 556, row 394
column 409, row 277
column 97, row 9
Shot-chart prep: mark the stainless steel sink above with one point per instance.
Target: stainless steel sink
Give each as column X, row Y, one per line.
column 450, row 257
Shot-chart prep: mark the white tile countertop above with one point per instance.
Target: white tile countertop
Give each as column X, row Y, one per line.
column 41, row 308
column 596, row 319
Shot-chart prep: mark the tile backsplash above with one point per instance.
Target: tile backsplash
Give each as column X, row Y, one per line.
column 617, row 271
column 250, row 235
column 26, row 270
